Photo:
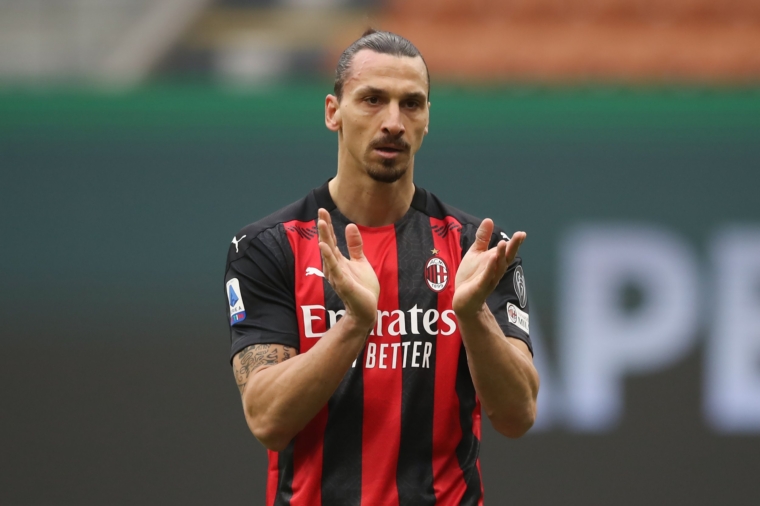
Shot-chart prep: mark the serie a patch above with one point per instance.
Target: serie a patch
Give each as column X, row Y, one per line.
column 235, row 299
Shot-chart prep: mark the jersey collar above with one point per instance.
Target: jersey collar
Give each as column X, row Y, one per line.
column 323, row 198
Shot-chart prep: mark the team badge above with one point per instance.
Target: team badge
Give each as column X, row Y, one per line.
column 518, row 317
column 520, row 290
column 237, row 309
column 436, row 274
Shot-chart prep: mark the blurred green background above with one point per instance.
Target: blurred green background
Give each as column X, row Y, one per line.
column 117, row 211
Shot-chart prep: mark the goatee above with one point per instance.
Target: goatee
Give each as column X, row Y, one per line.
column 389, row 172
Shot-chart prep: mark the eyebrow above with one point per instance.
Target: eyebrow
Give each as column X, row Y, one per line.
column 415, row 95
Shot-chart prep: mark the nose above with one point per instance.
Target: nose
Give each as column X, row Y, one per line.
column 392, row 124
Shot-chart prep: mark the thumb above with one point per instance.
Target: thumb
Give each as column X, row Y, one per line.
column 483, row 235
column 354, row 242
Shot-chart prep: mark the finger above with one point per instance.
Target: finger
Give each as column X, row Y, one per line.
column 354, row 242
column 331, row 228
column 514, row 245
column 328, row 219
column 332, row 231
column 330, row 266
column 496, row 267
column 483, row 235
column 327, row 233
column 323, row 215
column 323, row 228
column 500, row 261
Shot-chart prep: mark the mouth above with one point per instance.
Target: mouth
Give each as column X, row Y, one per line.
column 388, row 151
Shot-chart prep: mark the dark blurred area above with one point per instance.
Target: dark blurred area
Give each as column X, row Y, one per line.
column 136, row 137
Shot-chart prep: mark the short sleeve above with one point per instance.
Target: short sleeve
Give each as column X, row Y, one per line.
column 259, row 293
column 509, row 300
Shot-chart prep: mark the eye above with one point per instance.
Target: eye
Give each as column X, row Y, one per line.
column 412, row 104
column 373, row 100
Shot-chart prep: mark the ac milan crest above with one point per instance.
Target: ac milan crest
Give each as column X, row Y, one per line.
column 436, row 274
column 512, row 313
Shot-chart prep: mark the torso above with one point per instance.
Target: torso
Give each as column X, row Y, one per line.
column 403, row 427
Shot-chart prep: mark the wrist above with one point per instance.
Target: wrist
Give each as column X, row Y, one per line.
column 355, row 325
column 472, row 313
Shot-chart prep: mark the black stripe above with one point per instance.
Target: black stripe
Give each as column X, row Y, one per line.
column 414, row 474
column 469, row 446
column 285, row 476
column 342, row 451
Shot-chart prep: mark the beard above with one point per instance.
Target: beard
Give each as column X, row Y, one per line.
column 389, row 170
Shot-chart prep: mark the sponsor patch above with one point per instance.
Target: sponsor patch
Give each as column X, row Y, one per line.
column 518, row 317
column 235, row 299
column 436, row 274
column 520, row 290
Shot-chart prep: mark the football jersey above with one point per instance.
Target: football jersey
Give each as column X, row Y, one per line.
column 404, row 425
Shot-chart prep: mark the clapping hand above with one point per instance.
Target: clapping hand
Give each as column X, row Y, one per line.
column 352, row 278
column 482, row 269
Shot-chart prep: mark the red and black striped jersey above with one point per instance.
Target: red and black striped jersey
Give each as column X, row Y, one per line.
column 403, row 427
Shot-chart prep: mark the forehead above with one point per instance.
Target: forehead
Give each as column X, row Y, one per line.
column 388, row 72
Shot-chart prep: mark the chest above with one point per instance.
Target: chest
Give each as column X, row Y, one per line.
column 415, row 262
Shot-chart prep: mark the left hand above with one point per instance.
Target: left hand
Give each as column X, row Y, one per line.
column 482, row 269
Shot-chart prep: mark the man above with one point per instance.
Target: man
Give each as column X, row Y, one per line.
column 370, row 321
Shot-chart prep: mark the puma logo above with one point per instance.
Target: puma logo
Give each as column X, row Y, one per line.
column 236, row 241
column 313, row 271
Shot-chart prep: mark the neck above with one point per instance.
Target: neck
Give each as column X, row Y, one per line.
column 370, row 203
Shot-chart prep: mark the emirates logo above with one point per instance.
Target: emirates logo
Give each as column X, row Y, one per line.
column 436, row 274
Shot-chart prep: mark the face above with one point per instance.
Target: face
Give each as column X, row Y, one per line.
column 383, row 114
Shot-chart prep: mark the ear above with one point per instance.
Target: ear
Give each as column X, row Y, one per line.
column 427, row 125
column 332, row 113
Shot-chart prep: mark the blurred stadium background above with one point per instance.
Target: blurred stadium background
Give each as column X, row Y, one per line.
column 137, row 136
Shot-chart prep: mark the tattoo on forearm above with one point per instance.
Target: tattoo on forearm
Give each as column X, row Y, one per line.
column 256, row 356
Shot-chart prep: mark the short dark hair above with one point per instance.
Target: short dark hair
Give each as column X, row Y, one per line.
column 379, row 42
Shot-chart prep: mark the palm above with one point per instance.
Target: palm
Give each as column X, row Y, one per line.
column 359, row 284
column 352, row 278
column 482, row 268
column 470, row 277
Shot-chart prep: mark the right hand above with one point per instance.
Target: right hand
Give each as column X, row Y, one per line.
column 353, row 278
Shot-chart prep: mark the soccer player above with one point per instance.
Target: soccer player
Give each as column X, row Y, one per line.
column 370, row 321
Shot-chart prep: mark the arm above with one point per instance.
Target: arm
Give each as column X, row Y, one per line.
column 282, row 394
column 282, row 391
column 502, row 367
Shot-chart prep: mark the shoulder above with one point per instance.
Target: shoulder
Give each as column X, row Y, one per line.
column 269, row 230
column 429, row 203
column 436, row 208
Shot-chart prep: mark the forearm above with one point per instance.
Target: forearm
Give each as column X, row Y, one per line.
column 281, row 399
column 504, row 376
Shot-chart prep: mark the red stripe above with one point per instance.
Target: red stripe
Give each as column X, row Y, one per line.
column 308, row 447
column 307, row 462
column 272, row 477
column 448, row 479
column 381, row 429
column 476, row 421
